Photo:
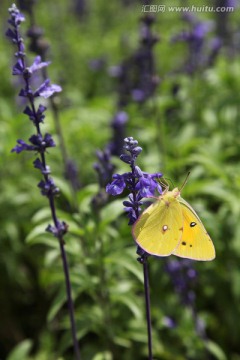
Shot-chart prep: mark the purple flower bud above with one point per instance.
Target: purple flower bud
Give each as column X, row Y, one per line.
column 126, row 158
column 16, row 16
column 42, row 143
column 129, row 140
column 37, row 65
column 12, row 35
column 117, row 186
column 128, row 204
column 18, row 68
column 27, row 93
column 38, row 144
column 120, row 119
column 136, row 151
column 115, row 71
column 21, row 146
column 97, row 64
column 138, row 172
column 48, row 188
column 46, row 90
column 39, row 165
column 169, row 322
column 138, row 95
column 58, row 231
column 37, row 117
column 147, row 186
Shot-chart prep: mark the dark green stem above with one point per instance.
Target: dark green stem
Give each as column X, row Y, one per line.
column 144, row 261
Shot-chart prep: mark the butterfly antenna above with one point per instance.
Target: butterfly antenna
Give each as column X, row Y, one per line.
column 185, row 181
column 164, row 184
column 170, row 182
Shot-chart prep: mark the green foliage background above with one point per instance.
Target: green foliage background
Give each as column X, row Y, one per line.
column 202, row 135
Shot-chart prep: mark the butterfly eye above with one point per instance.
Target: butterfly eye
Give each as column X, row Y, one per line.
column 192, row 224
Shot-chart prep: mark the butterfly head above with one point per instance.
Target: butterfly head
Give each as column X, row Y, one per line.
column 176, row 192
column 171, row 196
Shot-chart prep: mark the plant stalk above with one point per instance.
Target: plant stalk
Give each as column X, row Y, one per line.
column 148, row 305
column 69, row 299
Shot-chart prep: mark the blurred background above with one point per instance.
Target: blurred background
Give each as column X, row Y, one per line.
column 171, row 79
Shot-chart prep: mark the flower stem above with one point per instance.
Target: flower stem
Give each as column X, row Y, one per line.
column 144, row 261
column 69, row 299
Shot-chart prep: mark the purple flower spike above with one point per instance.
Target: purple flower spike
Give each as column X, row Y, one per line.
column 140, row 184
column 183, row 276
column 39, row 143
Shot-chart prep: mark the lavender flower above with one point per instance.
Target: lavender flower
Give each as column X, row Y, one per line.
column 145, row 80
column 79, row 8
column 72, row 174
column 201, row 51
column 183, row 277
column 169, row 322
column 140, row 184
column 136, row 75
column 26, row 5
column 40, row 46
column 104, row 169
column 223, row 25
column 39, row 142
column 119, row 127
column 136, row 81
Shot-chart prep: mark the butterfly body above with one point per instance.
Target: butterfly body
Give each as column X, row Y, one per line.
column 171, row 226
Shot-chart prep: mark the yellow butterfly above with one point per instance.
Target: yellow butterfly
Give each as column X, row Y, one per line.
column 171, row 226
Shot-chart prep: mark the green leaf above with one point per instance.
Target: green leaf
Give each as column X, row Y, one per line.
column 128, row 263
column 106, row 355
column 111, row 212
column 130, row 302
column 38, row 235
column 215, row 349
column 59, row 300
column 41, row 215
column 21, row 351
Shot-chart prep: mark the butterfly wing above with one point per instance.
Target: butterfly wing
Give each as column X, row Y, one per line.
column 159, row 229
column 195, row 243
